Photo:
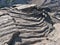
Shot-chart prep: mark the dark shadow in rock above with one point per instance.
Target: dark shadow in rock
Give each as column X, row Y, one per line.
column 48, row 19
column 47, row 16
column 15, row 38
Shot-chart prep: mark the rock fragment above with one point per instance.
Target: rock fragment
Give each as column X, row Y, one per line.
column 25, row 6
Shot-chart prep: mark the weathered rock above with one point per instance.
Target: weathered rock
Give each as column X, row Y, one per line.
column 57, row 31
column 25, row 6
column 34, row 27
column 3, row 12
column 7, row 27
column 55, row 34
column 31, row 27
column 58, row 42
column 57, row 15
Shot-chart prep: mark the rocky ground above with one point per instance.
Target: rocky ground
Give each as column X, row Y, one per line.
column 28, row 25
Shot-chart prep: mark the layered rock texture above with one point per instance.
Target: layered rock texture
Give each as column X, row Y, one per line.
column 29, row 24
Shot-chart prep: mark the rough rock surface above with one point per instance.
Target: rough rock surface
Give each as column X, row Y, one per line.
column 29, row 26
